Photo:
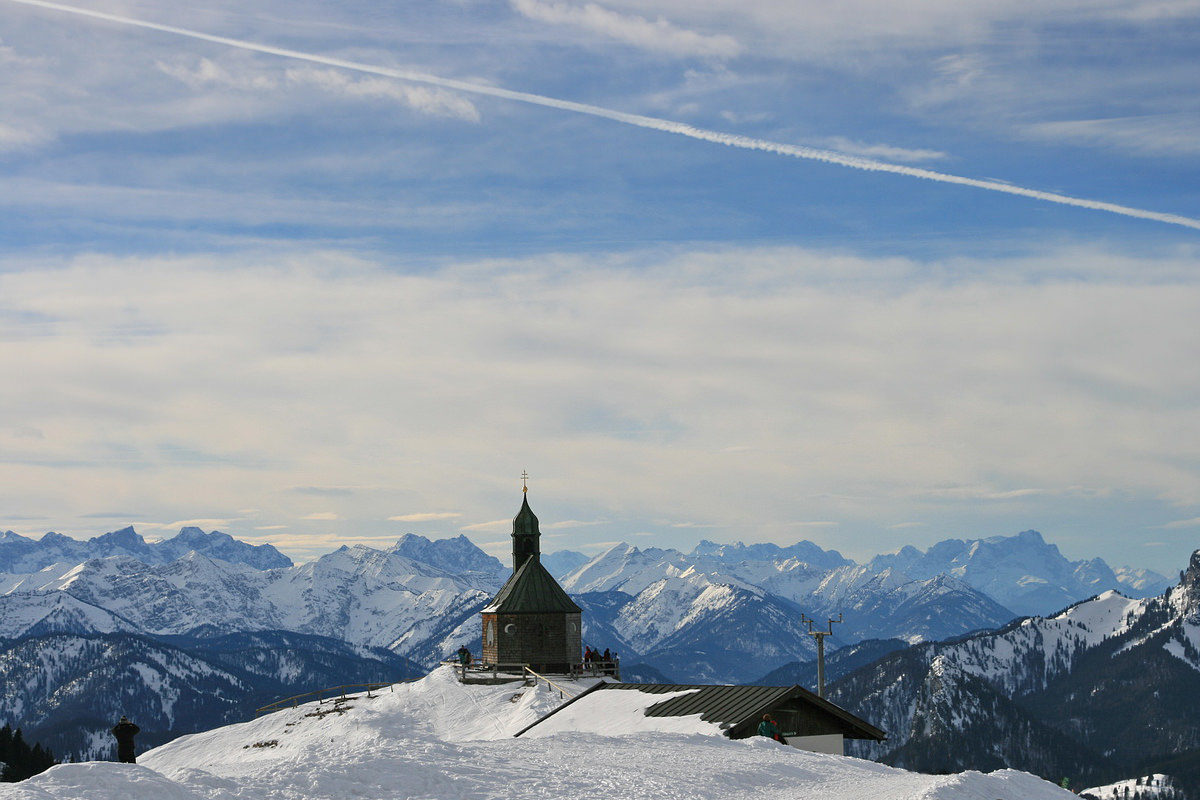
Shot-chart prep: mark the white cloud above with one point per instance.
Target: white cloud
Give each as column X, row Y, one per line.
column 1156, row 10
column 207, row 73
column 425, row 517
column 572, row 523
column 1194, row 522
column 269, row 81
column 1172, row 134
column 425, row 99
column 11, row 59
column 207, row 524
column 657, row 35
column 985, row 492
column 863, row 29
column 302, row 547
column 13, row 137
column 330, row 491
column 868, row 390
column 501, row 550
column 746, row 117
column 493, row 525
column 884, row 152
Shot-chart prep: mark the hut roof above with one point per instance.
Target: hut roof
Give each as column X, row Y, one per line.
column 734, row 710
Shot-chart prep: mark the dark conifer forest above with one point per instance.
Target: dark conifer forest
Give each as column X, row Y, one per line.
column 19, row 760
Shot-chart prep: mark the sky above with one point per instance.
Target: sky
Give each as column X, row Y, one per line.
column 757, row 271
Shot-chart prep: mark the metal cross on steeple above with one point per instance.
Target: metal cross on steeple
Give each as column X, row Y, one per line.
column 524, row 481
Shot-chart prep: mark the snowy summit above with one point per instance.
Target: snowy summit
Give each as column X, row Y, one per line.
column 437, row 738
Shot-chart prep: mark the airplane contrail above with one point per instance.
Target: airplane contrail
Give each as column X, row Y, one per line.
column 654, row 123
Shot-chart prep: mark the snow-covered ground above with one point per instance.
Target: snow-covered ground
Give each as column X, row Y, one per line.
column 619, row 713
column 1149, row 786
column 436, row 738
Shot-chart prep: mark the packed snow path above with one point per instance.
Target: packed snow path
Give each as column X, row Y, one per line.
column 438, row 739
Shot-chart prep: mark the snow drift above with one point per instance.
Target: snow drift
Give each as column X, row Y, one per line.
column 436, row 738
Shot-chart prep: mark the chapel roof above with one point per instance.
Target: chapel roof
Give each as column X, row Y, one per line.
column 531, row 590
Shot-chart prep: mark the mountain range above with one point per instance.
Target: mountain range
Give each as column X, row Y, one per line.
column 731, row 612
column 722, row 613
column 66, row 690
column 377, row 598
column 1106, row 688
column 20, row 554
column 725, row 612
column 999, row 567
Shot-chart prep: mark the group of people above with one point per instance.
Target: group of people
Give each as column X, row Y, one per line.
column 605, row 662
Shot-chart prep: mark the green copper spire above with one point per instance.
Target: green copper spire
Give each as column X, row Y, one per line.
column 525, row 535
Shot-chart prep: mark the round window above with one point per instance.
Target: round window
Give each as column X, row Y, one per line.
column 510, row 628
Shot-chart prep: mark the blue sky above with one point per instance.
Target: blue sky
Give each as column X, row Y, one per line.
column 313, row 305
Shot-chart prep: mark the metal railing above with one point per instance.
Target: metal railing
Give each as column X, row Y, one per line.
column 563, row 691
column 321, row 695
column 584, row 669
column 479, row 667
column 597, row 669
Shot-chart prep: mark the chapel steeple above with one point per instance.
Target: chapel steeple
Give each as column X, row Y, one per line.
column 531, row 621
column 526, row 538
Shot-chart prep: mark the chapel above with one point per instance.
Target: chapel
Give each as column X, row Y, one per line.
column 531, row 621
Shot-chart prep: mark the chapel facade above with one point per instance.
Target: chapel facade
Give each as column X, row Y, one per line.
column 531, row 620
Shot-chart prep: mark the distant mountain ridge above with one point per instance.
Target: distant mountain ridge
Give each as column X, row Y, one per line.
column 458, row 554
column 1107, row 687
column 803, row 551
column 68, row 689
column 20, row 554
column 655, row 596
column 839, row 663
column 725, row 612
column 362, row 595
column 563, row 562
column 721, row 617
column 181, row 639
column 1001, row 566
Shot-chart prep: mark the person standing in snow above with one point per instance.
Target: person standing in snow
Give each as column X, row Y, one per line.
column 125, row 731
column 769, row 729
column 464, row 658
column 607, row 662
